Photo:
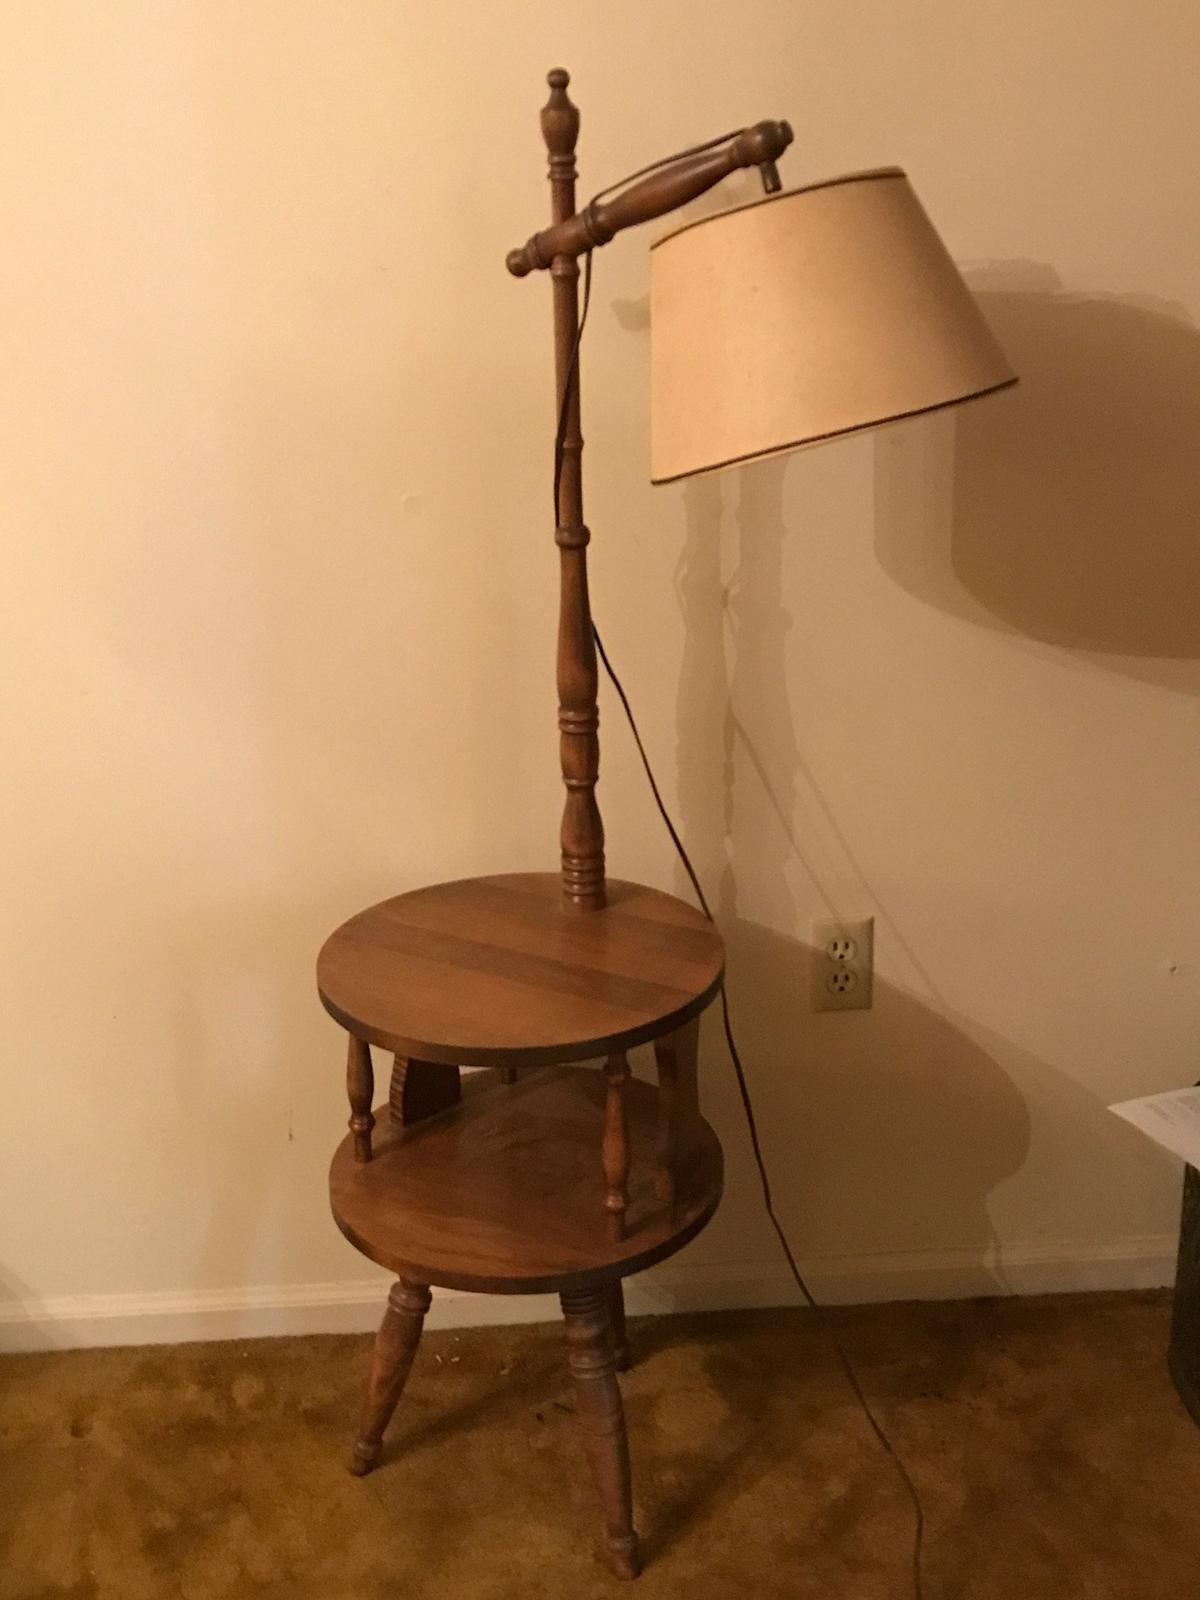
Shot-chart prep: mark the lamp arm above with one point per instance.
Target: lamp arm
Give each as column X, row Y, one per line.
column 654, row 196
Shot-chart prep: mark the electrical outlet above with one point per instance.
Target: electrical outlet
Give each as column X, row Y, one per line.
column 843, row 965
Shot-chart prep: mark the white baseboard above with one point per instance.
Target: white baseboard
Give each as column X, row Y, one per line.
column 176, row 1317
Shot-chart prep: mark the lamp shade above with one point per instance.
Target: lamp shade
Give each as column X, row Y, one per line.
column 805, row 315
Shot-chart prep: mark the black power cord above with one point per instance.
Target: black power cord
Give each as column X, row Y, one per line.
column 764, row 1181
column 818, row 1310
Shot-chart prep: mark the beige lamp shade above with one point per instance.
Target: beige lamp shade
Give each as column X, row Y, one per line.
column 804, row 315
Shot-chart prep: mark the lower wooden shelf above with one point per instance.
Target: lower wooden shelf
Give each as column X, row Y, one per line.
column 504, row 1193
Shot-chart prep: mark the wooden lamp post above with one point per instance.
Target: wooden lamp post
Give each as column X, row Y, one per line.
column 558, row 249
column 804, row 315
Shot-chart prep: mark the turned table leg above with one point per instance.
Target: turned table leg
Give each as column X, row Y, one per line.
column 395, row 1346
column 602, row 1418
column 615, row 1299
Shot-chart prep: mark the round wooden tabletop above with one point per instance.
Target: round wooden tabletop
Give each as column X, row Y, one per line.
column 499, row 971
column 505, row 1193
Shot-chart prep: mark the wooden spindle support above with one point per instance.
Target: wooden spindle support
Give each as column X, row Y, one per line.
column 664, row 1176
column 360, row 1089
column 615, row 1147
column 679, row 1120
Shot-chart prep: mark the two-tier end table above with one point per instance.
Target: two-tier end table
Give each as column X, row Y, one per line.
column 544, row 1174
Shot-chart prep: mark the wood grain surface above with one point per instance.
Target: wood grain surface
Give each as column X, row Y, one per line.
column 500, row 972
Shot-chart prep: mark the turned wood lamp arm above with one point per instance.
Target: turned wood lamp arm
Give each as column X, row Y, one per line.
column 661, row 192
column 558, row 248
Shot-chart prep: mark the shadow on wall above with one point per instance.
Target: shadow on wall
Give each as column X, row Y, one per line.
column 854, row 1109
column 21, row 1327
column 1067, row 509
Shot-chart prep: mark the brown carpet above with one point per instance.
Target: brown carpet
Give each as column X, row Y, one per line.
column 1052, row 1455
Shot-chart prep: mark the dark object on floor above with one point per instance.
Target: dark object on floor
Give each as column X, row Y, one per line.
column 1051, row 1453
column 1183, row 1357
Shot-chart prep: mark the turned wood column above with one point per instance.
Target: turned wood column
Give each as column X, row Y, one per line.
column 582, row 836
column 615, row 1144
column 360, row 1091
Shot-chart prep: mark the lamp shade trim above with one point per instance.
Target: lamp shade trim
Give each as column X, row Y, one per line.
column 839, row 433
column 866, row 176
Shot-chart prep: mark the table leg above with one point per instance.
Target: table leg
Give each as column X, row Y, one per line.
column 602, row 1419
column 395, row 1346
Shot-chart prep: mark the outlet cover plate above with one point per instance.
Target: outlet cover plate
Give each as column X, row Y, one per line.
column 843, row 965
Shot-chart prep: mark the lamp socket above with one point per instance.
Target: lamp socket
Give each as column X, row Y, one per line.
column 843, row 965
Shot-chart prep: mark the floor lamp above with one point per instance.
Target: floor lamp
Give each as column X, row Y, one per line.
column 806, row 314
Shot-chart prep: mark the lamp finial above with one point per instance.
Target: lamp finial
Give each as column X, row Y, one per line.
column 560, row 124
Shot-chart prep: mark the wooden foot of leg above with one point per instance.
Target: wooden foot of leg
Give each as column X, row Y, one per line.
column 395, row 1346
column 602, row 1419
column 615, row 1297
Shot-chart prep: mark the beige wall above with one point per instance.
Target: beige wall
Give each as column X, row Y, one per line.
column 279, row 597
